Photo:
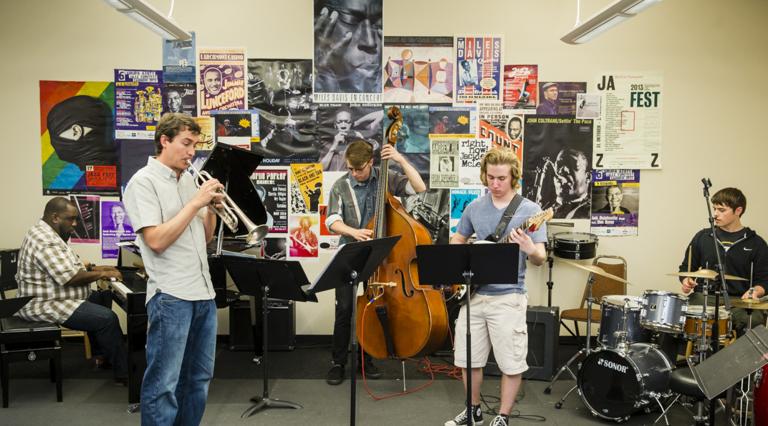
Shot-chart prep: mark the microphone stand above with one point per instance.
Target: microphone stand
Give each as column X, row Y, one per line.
column 721, row 270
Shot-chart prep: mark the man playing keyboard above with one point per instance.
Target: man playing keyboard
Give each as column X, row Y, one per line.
column 60, row 283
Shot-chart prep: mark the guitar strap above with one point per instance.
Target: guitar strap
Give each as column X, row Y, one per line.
column 509, row 212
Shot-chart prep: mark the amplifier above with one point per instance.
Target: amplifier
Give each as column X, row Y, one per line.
column 8, row 264
column 281, row 323
column 543, row 328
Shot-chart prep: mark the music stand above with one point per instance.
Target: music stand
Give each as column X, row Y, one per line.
column 281, row 279
column 475, row 264
column 353, row 263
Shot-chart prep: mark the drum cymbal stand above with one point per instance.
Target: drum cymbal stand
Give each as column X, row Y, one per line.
column 583, row 352
column 551, row 260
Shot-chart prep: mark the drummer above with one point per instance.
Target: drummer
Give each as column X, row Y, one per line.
column 744, row 254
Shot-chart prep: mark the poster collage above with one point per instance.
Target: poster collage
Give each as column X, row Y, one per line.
column 581, row 144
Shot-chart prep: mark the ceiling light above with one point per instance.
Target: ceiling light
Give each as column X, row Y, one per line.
column 617, row 12
column 151, row 18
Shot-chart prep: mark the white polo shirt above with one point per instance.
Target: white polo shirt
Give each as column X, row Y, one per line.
column 152, row 197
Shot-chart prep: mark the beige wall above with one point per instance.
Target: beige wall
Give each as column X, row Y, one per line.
column 712, row 54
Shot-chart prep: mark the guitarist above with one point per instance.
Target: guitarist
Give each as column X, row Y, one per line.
column 498, row 310
column 351, row 205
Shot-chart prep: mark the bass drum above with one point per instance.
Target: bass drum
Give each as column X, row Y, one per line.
column 615, row 384
column 575, row 245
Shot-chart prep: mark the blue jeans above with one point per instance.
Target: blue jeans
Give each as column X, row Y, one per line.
column 102, row 326
column 181, row 346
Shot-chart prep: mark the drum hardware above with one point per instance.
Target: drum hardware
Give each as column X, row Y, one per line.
column 587, row 350
column 550, row 259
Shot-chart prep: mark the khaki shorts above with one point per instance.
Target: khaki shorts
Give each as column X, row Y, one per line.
column 498, row 322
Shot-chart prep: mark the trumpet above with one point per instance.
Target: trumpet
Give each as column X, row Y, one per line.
column 230, row 213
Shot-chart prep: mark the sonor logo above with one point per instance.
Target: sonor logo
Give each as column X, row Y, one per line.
column 612, row 365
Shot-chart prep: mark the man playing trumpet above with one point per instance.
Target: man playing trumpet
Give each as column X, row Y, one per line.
column 174, row 220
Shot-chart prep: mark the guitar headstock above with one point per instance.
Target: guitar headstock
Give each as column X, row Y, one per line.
column 534, row 222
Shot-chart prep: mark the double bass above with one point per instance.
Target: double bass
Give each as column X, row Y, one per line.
column 396, row 317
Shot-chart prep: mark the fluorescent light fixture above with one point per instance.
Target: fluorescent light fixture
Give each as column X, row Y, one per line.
column 151, row 18
column 617, row 12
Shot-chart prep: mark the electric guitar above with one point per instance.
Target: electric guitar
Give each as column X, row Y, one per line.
column 531, row 224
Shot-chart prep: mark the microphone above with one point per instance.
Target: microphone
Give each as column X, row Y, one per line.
column 707, row 183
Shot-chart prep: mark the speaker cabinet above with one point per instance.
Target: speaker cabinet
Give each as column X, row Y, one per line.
column 281, row 323
column 543, row 327
column 8, row 264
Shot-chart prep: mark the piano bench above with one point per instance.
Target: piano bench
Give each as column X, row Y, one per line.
column 22, row 340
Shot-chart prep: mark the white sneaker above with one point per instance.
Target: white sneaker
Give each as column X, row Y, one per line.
column 499, row 421
column 461, row 418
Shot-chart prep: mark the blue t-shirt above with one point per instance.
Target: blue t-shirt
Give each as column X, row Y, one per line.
column 481, row 217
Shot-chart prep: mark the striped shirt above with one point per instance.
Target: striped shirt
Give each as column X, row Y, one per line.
column 46, row 263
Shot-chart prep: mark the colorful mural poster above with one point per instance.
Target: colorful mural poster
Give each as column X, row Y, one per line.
column 77, row 137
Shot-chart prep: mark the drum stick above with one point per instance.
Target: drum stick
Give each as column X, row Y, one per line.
column 689, row 265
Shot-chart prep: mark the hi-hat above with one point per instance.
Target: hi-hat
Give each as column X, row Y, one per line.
column 707, row 274
column 596, row 270
column 749, row 304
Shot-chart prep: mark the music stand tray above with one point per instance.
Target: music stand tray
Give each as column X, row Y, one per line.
column 354, row 262
column 473, row 264
column 281, row 279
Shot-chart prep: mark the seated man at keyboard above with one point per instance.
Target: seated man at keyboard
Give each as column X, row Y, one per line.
column 60, row 283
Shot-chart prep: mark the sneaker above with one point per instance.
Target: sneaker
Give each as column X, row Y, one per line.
column 335, row 375
column 500, row 421
column 371, row 371
column 461, row 418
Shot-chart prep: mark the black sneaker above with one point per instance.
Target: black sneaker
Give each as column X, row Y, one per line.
column 371, row 371
column 461, row 418
column 335, row 375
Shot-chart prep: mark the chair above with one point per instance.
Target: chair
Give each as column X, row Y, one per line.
column 22, row 340
column 601, row 287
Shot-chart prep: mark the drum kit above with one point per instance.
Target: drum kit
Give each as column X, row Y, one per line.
column 629, row 371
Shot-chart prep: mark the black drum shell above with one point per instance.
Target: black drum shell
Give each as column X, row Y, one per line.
column 614, row 384
column 574, row 245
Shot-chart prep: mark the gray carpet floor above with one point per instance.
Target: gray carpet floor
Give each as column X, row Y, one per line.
column 93, row 399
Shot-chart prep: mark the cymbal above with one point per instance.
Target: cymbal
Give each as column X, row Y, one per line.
column 707, row 274
column 595, row 270
column 749, row 304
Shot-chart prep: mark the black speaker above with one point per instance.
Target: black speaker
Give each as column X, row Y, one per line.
column 281, row 323
column 8, row 265
column 543, row 327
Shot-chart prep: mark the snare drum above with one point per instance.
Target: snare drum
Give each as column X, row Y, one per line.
column 612, row 321
column 575, row 245
column 693, row 322
column 663, row 311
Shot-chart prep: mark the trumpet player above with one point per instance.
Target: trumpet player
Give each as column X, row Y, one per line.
column 174, row 220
